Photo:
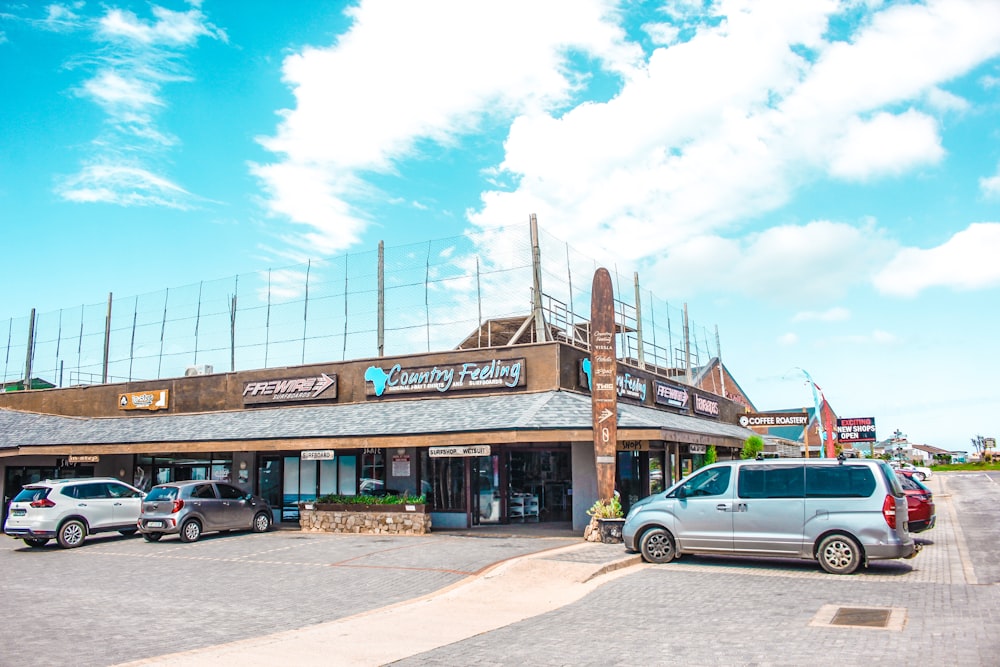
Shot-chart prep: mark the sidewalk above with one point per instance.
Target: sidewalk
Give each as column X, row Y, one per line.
column 509, row 592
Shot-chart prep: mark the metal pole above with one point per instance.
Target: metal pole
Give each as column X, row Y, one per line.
column 107, row 341
column 638, row 322
column 381, row 298
column 232, row 326
column 687, row 345
column 536, row 275
column 197, row 321
column 163, row 329
column 305, row 312
column 28, row 353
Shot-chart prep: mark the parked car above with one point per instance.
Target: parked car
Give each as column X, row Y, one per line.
column 842, row 513
column 71, row 509
column 191, row 508
column 919, row 500
column 920, row 472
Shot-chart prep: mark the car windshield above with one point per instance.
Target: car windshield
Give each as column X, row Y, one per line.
column 162, row 493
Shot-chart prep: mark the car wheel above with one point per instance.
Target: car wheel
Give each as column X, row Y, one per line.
column 71, row 534
column 839, row 554
column 128, row 532
column 920, row 476
column 36, row 541
column 261, row 522
column 190, row 531
column 152, row 537
column 657, row 546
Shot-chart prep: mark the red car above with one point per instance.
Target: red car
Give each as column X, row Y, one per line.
column 919, row 502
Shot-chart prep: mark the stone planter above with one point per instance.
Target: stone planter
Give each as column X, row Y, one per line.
column 364, row 519
column 610, row 530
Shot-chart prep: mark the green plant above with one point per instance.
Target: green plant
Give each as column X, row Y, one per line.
column 752, row 446
column 388, row 499
column 606, row 509
column 711, row 455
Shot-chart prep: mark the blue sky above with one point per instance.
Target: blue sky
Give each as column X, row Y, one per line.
column 820, row 179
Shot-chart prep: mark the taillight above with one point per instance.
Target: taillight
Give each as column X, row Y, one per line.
column 42, row 502
column 889, row 511
column 178, row 504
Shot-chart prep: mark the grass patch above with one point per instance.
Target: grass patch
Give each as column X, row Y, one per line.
column 966, row 466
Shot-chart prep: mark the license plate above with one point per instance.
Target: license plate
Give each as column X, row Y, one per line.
column 154, row 524
column 18, row 512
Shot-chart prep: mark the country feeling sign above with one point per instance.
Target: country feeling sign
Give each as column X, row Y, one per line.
column 470, row 375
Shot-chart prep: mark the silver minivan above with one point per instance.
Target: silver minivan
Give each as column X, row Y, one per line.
column 842, row 512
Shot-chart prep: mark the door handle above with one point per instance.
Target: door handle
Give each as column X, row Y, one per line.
column 722, row 507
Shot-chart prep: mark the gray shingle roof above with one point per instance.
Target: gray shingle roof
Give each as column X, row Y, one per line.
column 551, row 410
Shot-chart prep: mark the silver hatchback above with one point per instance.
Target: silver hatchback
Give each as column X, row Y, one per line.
column 191, row 508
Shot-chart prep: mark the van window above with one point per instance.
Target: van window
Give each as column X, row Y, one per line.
column 771, row 482
column 711, row 482
column 840, row 481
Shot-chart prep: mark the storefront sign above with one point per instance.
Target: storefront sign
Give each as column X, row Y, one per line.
column 144, row 400
column 774, row 419
column 633, row 445
column 626, row 384
column 706, row 406
column 399, row 379
column 671, row 394
column 318, row 455
column 604, row 389
column 697, row 449
column 856, row 429
column 83, row 458
column 322, row 387
column 471, row 450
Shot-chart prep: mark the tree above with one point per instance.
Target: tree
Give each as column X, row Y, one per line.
column 711, row 456
column 752, row 446
column 979, row 442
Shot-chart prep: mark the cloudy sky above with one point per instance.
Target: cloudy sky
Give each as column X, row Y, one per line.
column 820, row 179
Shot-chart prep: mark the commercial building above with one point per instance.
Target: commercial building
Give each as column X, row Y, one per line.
column 489, row 434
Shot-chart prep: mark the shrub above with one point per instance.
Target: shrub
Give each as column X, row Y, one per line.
column 388, row 499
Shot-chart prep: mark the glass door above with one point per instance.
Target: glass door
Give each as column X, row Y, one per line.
column 486, row 495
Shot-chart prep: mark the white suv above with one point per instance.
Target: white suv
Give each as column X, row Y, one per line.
column 70, row 509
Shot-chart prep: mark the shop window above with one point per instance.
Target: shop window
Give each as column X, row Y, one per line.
column 372, row 472
column 445, row 482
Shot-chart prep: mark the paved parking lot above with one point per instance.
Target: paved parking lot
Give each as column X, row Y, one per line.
column 723, row 611
column 118, row 599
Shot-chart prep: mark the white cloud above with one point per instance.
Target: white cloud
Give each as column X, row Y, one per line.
column 990, row 186
column 788, row 339
column 134, row 61
column 124, row 186
column 794, row 265
column 886, row 144
column 431, row 71
column 877, row 337
column 966, row 261
column 836, row 314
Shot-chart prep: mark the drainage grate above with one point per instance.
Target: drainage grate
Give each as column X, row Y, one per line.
column 876, row 618
column 860, row 616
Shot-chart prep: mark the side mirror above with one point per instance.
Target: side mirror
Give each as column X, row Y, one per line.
column 682, row 492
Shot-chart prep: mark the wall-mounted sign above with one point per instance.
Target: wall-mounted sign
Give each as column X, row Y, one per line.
column 697, row 449
column 318, row 455
column 399, row 379
column 322, row 387
column 627, row 385
column 671, row 394
column 706, row 406
column 157, row 399
column 604, row 389
column 774, row 419
column 856, row 429
column 633, row 445
column 83, row 458
column 470, row 450
column 401, row 465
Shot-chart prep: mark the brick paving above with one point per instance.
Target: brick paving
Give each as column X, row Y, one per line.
column 306, row 597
